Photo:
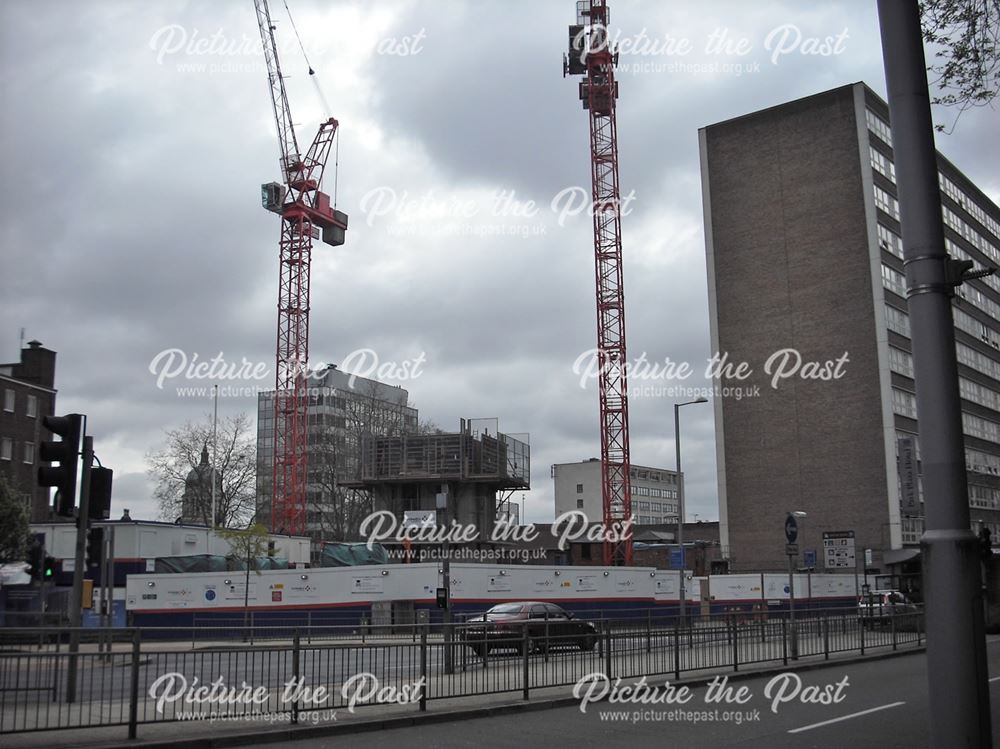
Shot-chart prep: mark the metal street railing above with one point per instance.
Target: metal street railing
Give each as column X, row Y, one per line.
column 284, row 674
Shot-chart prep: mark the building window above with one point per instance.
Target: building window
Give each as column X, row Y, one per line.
column 981, row 428
column 904, row 403
column 8, row 400
column 893, row 280
column 579, row 488
column 6, row 447
column 32, row 409
column 900, row 361
column 879, row 126
column 29, row 452
column 579, row 504
column 889, row 241
column 886, row 202
column 882, row 164
column 899, row 322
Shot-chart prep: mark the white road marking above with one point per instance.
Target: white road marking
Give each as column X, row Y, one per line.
column 846, row 717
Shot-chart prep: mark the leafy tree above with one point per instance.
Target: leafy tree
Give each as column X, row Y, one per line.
column 14, row 528
column 248, row 545
column 966, row 61
column 170, row 465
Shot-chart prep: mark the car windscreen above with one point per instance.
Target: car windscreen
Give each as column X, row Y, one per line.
column 506, row 608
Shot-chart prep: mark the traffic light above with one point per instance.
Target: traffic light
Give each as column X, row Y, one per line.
column 36, row 559
column 48, row 568
column 66, row 453
column 99, row 507
column 95, row 540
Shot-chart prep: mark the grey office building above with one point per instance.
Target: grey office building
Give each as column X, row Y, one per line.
column 344, row 409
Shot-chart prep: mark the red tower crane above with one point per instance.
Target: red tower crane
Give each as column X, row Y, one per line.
column 305, row 213
column 592, row 55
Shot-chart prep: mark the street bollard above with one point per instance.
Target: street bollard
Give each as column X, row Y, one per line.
column 423, row 667
column 607, row 649
column 295, row 674
column 677, row 651
column 736, row 645
column 133, row 702
column 784, row 641
column 525, row 646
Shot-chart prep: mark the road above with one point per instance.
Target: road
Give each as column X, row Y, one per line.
column 884, row 704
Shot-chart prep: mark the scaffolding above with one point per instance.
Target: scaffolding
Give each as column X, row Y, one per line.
column 474, row 454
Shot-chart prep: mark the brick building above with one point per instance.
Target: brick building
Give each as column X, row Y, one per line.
column 27, row 394
column 804, row 253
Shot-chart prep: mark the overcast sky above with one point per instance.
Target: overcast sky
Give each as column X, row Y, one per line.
column 135, row 136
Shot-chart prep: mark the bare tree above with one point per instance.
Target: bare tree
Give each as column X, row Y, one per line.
column 369, row 411
column 182, row 452
column 967, row 59
column 427, row 426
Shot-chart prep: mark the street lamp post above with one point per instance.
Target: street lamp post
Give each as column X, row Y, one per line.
column 215, row 452
column 680, row 502
column 442, row 510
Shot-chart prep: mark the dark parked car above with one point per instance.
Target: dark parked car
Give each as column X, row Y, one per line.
column 549, row 626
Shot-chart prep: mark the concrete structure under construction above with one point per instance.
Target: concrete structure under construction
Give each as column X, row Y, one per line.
column 478, row 467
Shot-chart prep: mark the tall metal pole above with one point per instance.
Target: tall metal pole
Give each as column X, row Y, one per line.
column 442, row 507
column 680, row 496
column 794, row 640
column 680, row 509
column 76, row 595
column 956, row 647
column 215, row 452
column 108, row 577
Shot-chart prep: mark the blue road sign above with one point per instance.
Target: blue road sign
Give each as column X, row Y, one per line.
column 809, row 557
column 677, row 559
column 791, row 529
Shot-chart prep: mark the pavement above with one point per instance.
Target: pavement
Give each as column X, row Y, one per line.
column 328, row 727
column 881, row 703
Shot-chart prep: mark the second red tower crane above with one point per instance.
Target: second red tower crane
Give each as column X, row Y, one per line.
column 592, row 55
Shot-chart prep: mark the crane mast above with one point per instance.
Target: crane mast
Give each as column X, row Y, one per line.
column 306, row 214
column 592, row 55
